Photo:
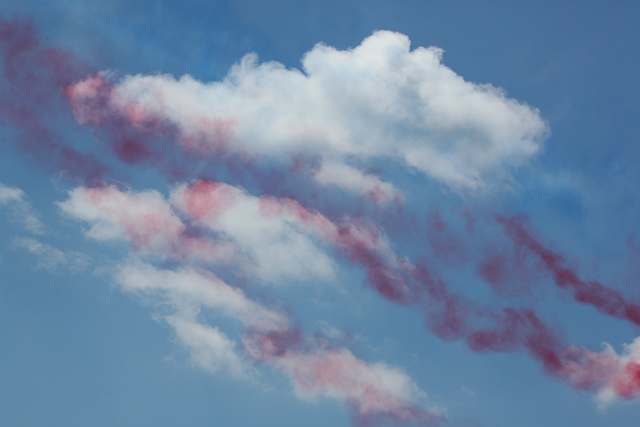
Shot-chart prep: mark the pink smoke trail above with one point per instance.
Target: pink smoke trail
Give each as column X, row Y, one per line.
column 36, row 77
column 605, row 299
column 452, row 316
column 146, row 220
column 317, row 369
column 448, row 315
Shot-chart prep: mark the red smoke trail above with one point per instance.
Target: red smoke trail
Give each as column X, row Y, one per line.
column 452, row 316
column 606, row 300
column 141, row 137
column 448, row 248
column 448, row 315
column 317, row 368
column 130, row 136
column 137, row 137
column 148, row 222
column 38, row 75
column 38, row 81
column 34, row 78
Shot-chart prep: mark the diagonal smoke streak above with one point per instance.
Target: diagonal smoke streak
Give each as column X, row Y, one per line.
column 33, row 78
column 449, row 315
column 374, row 391
column 606, row 300
column 253, row 124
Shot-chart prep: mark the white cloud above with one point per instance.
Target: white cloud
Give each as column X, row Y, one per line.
column 246, row 235
column 210, row 349
column 611, row 374
column 371, row 388
column 352, row 179
column 624, row 380
column 21, row 210
column 9, row 194
column 50, row 258
column 182, row 297
column 378, row 100
column 145, row 219
column 188, row 289
column 278, row 245
column 184, row 293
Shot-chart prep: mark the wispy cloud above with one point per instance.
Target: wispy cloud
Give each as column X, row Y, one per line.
column 20, row 209
column 181, row 296
column 52, row 259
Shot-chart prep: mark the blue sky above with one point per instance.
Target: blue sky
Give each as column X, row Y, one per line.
column 355, row 232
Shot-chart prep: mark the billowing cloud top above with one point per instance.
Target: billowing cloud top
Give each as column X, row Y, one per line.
column 378, row 100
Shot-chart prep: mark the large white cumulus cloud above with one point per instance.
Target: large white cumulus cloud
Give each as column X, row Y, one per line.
column 378, row 100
